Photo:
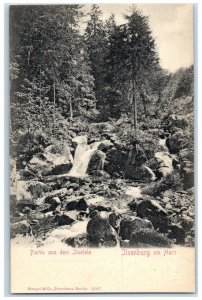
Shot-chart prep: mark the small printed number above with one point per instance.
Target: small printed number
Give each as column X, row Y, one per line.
column 96, row 288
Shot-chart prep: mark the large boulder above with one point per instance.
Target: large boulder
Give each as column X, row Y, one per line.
column 63, row 219
column 187, row 222
column 142, row 173
column 53, row 201
column 37, row 189
column 177, row 141
column 136, row 168
column 177, row 232
column 145, row 236
column 96, row 161
column 27, row 145
column 38, row 166
column 136, row 156
column 176, row 120
column 98, row 203
column 79, row 204
column 115, row 161
column 27, row 192
column 113, row 217
column 56, row 159
column 186, row 158
column 21, row 228
column 105, row 145
column 153, row 211
column 60, row 156
column 100, row 232
column 127, row 226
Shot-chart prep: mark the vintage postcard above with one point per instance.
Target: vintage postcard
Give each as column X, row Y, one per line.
column 102, row 148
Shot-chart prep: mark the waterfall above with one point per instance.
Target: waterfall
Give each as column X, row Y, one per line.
column 153, row 176
column 162, row 142
column 103, row 161
column 165, row 158
column 82, row 156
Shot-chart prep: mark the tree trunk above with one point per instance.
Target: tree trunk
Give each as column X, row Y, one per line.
column 70, row 108
column 40, row 93
column 134, row 105
column 159, row 97
column 144, row 103
column 54, row 100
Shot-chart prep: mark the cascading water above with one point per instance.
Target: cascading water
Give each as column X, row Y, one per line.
column 165, row 158
column 162, row 142
column 153, row 176
column 82, row 156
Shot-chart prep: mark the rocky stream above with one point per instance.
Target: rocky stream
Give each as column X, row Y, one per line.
column 98, row 194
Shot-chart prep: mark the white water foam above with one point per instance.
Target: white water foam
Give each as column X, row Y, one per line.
column 82, row 156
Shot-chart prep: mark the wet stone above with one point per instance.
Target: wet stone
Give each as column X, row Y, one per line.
column 77, row 205
column 127, row 226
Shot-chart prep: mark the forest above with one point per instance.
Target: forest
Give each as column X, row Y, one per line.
column 101, row 136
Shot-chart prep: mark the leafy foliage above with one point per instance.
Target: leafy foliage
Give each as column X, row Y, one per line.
column 62, row 79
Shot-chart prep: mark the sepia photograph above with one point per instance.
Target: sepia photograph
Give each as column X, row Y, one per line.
column 101, row 147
